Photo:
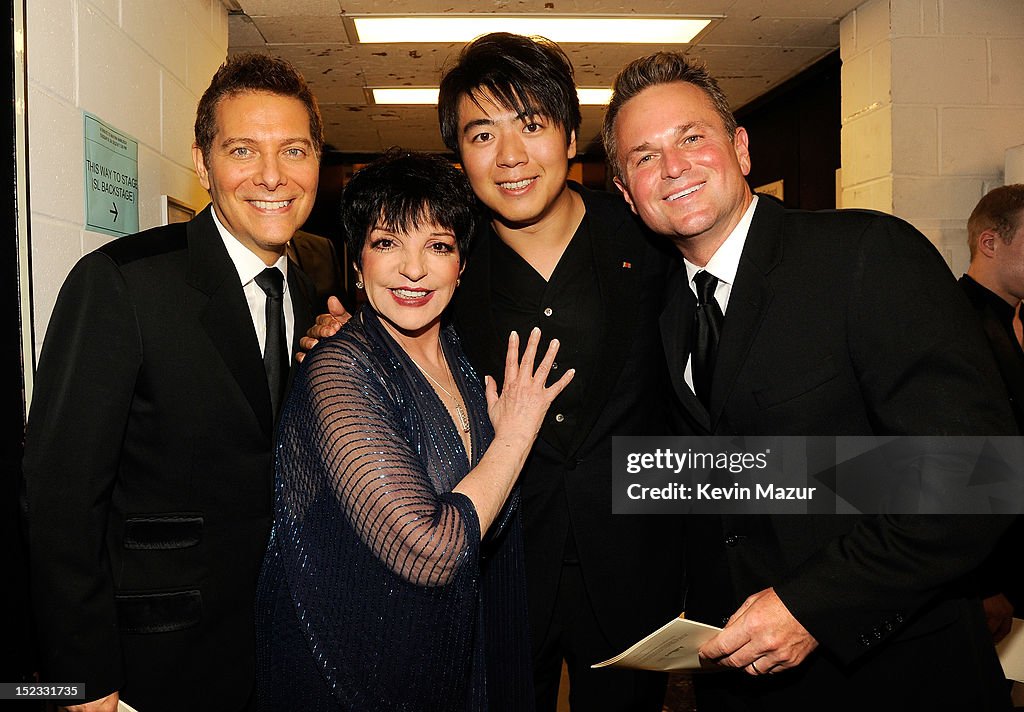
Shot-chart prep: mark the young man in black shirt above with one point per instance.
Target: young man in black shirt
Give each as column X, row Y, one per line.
column 577, row 264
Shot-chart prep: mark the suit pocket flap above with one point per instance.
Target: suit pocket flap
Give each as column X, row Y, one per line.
column 807, row 380
column 163, row 531
column 158, row 612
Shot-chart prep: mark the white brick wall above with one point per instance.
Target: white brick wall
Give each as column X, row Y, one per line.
column 1015, row 164
column 917, row 151
column 946, row 79
column 940, row 70
column 139, row 65
column 866, row 150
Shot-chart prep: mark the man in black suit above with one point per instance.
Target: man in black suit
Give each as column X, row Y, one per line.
column 995, row 280
column 994, row 284
column 575, row 263
column 832, row 323
column 148, row 460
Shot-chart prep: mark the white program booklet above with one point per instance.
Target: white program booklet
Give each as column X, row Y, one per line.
column 672, row 647
column 1011, row 652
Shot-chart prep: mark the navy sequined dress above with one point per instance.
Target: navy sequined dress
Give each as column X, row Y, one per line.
column 376, row 592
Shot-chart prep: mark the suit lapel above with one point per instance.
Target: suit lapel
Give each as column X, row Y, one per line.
column 676, row 323
column 302, row 293
column 481, row 341
column 226, row 314
column 619, row 266
column 748, row 302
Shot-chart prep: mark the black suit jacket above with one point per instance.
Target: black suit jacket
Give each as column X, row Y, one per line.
column 1007, row 353
column 632, row 565
column 1002, row 573
column 148, row 472
column 842, row 323
column 315, row 255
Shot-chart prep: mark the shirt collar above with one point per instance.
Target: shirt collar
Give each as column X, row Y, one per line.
column 1005, row 311
column 247, row 264
column 726, row 260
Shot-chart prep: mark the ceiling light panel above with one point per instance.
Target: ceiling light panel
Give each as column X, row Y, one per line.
column 589, row 96
column 404, row 95
column 463, row 28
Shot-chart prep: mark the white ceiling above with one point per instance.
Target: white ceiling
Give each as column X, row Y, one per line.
column 756, row 45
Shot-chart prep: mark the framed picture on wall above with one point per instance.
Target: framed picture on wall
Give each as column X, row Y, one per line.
column 173, row 210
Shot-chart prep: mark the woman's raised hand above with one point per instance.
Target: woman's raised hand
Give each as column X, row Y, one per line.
column 519, row 411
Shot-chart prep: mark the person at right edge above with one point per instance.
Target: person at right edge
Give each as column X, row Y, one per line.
column 994, row 284
column 828, row 323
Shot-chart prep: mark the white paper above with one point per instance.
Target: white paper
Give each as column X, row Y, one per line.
column 672, row 647
column 1011, row 652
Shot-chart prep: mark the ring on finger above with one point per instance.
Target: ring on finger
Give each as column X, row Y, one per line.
column 754, row 668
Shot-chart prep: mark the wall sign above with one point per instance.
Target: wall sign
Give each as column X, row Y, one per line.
column 111, row 179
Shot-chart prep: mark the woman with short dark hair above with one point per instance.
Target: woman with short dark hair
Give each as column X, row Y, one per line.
column 394, row 576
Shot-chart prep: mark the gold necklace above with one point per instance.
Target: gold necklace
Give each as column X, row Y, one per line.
column 459, row 410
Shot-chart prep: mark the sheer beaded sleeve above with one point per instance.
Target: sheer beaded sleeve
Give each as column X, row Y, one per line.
column 371, row 553
column 373, row 471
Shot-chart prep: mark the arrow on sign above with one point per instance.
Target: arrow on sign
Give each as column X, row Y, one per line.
column 113, row 210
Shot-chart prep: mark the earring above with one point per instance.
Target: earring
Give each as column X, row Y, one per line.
column 458, row 282
column 359, row 284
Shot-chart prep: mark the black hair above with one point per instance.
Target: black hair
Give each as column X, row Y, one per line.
column 403, row 190
column 527, row 75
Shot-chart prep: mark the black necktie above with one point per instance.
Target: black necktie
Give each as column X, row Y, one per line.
column 275, row 353
column 707, row 327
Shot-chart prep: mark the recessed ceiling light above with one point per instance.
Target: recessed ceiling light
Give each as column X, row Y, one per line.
column 405, row 95
column 627, row 29
column 594, row 96
column 591, row 96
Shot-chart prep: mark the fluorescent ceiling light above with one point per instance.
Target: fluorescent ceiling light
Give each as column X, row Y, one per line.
column 594, row 96
column 405, row 95
column 591, row 96
column 454, row 28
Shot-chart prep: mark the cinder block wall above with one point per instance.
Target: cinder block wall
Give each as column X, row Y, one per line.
column 932, row 97
column 1015, row 164
column 141, row 66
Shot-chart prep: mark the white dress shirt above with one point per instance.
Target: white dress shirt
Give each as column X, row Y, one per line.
column 723, row 265
column 248, row 266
